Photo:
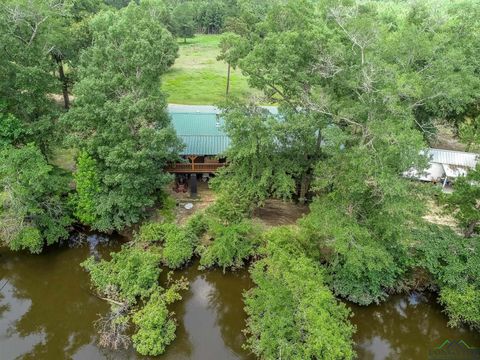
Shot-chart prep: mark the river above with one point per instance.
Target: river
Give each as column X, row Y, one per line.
column 47, row 312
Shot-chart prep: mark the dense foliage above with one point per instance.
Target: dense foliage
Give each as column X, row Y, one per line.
column 131, row 274
column 119, row 117
column 129, row 281
column 177, row 243
column 156, row 328
column 454, row 264
column 231, row 245
column 292, row 313
column 156, row 325
column 33, row 203
column 464, row 202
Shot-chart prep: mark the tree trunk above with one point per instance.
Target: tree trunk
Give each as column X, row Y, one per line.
column 470, row 229
column 304, row 185
column 228, row 80
column 63, row 79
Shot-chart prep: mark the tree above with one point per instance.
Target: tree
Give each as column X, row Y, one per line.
column 464, row 202
column 270, row 155
column 119, row 117
column 129, row 282
column 130, row 275
column 469, row 132
column 358, row 225
column 183, row 17
column 27, row 69
column 291, row 313
column 33, row 208
column 68, row 36
column 211, row 16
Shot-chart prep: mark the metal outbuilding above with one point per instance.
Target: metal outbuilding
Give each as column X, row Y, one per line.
column 445, row 165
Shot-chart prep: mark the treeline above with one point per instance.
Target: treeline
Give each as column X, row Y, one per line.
column 187, row 17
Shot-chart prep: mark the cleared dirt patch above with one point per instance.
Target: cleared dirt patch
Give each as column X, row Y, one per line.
column 204, row 198
column 277, row 212
column 437, row 215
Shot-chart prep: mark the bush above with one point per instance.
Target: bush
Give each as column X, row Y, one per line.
column 87, row 189
column 167, row 211
column 454, row 263
column 155, row 325
column 178, row 243
column 131, row 273
column 232, row 244
column 462, row 305
column 197, row 224
column 156, row 328
column 179, row 246
column 150, row 233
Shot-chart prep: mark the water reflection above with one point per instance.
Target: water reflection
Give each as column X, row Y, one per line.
column 50, row 310
column 47, row 310
column 212, row 317
column 405, row 327
column 47, row 313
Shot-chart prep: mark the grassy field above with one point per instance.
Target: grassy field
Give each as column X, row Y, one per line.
column 198, row 78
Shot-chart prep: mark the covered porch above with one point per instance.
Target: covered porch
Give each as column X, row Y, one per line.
column 197, row 164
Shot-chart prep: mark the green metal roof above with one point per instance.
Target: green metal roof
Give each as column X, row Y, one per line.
column 201, row 131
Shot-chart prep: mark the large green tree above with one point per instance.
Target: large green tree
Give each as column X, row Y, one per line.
column 119, row 118
column 348, row 110
column 27, row 77
column 183, row 18
column 292, row 313
column 33, row 210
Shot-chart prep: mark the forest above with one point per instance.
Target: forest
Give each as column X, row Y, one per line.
column 361, row 86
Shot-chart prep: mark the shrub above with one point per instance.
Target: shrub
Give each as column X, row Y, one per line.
column 167, row 211
column 232, row 244
column 179, row 246
column 178, row 243
column 87, row 189
column 131, row 273
column 150, row 233
column 462, row 305
column 454, row 263
column 155, row 325
column 197, row 224
column 156, row 328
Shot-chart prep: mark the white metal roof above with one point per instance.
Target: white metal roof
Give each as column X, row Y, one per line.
column 450, row 157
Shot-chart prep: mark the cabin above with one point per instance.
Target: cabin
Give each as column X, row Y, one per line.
column 201, row 130
column 444, row 166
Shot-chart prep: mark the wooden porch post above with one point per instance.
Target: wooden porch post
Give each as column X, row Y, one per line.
column 192, row 158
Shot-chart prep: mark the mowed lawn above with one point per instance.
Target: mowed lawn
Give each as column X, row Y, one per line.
column 198, row 78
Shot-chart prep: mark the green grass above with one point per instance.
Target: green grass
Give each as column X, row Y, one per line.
column 64, row 158
column 198, row 78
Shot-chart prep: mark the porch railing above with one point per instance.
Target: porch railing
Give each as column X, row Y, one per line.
column 194, row 167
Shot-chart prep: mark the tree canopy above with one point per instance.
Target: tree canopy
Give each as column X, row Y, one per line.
column 119, row 116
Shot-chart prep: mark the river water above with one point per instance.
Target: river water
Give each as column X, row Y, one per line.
column 47, row 311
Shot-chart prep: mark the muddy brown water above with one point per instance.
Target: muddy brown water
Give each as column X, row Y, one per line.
column 47, row 312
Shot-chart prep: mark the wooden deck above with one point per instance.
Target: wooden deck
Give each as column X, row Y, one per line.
column 187, row 168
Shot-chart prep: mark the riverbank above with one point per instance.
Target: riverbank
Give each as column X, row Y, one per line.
column 52, row 317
